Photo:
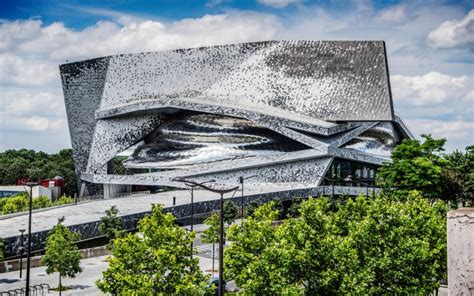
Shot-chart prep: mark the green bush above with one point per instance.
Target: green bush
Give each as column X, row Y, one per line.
column 20, row 203
column 15, row 204
column 41, row 202
column 3, row 200
column 9, row 208
column 64, row 200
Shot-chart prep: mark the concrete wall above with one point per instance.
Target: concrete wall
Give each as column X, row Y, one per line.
column 37, row 190
column 461, row 252
column 35, row 261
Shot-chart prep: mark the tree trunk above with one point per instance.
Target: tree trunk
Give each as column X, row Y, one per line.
column 213, row 256
column 60, row 286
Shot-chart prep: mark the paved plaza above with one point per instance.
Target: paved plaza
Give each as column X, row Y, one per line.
column 92, row 268
column 83, row 284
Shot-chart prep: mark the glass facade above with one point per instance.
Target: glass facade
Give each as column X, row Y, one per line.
column 342, row 168
column 187, row 138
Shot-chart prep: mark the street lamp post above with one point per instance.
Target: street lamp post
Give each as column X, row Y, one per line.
column 22, row 250
column 221, row 234
column 241, row 181
column 192, row 186
column 28, row 250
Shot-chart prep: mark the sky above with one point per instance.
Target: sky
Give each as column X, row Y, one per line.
column 430, row 46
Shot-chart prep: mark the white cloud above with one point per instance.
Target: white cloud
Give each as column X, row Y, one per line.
column 26, row 103
column 22, row 71
column 426, row 87
column 57, row 43
column 31, row 124
column 278, row 3
column 437, row 104
column 394, row 14
column 429, row 89
column 454, row 33
column 459, row 134
column 212, row 3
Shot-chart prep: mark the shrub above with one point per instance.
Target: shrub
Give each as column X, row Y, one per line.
column 15, row 204
column 41, row 202
column 64, row 200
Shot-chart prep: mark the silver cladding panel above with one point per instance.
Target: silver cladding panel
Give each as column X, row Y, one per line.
column 335, row 89
column 329, row 80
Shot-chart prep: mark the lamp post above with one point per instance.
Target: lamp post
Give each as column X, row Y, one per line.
column 221, row 234
column 192, row 186
column 22, row 249
column 241, row 181
column 28, row 250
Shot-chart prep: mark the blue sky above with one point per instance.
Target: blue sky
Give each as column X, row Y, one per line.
column 67, row 11
column 430, row 48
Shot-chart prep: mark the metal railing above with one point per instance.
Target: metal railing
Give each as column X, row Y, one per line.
column 35, row 290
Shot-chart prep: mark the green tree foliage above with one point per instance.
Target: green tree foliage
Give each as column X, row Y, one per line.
column 458, row 177
column 111, row 225
column 1, row 250
column 252, row 258
column 230, row 212
column 211, row 234
column 155, row 261
column 252, row 207
column 23, row 163
column 62, row 255
column 373, row 246
column 294, row 209
column 415, row 165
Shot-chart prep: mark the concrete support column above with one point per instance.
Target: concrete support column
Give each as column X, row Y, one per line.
column 461, row 252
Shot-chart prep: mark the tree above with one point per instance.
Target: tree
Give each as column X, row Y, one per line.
column 252, row 259
column 252, row 207
column 294, row 209
column 398, row 246
column 111, row 225
column 62, row 255
column 458, row 177
column 23, row 163
column 372, row 246
column 155, row 261
column 1, row 250
column 211, row 234
column 415, row 165
column 230, row 212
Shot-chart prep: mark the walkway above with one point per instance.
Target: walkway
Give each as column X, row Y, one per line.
column 92, row 211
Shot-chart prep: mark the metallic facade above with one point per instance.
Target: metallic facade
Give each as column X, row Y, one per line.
column 281, row 110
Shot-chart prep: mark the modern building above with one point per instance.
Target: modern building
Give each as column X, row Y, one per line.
column 287, row 112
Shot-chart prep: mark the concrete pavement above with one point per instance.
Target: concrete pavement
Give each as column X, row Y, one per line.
column 83, row 284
